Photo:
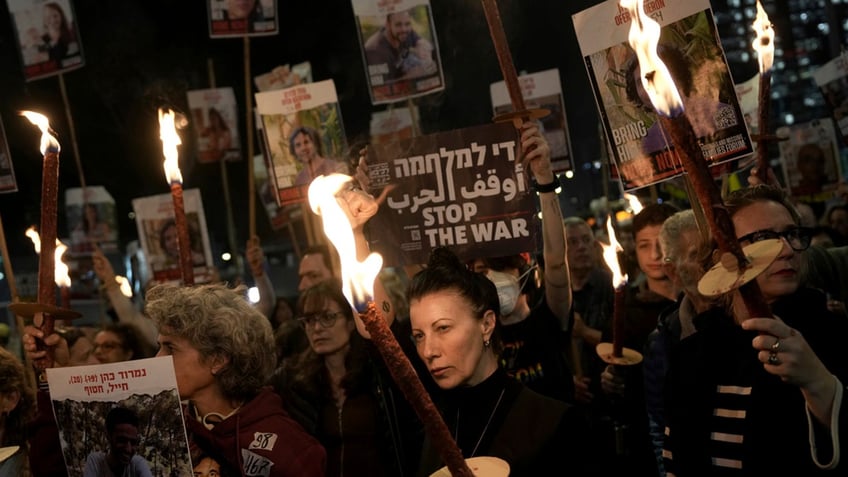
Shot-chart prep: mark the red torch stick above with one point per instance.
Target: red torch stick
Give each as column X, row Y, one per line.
column 170, row 141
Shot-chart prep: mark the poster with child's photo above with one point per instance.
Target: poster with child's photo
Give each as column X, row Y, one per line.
column 48, row 36
column 157, row 231
column 127, row 412
column 399, row 49
column 92, row 220
column 237, row 18
column 810, row 156
column 541, row 90
column 213, row 114
column 304, row 136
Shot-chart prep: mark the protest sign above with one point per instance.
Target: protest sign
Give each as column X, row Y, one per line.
column 48, row 36
column 811, row 166
column 690, row 47
column 284, row 76
column 304, row 136
column 465, row 189
column 213, row 113
column 8, row 183
column 157, row 230
column 541, row 90
column 393, row 124
column 244, row 18
column 399, row 49
column 142, row 394
column 832, row 80
column 92, row 220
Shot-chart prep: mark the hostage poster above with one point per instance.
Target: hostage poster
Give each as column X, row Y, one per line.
column 48, row 36
column 304, row 137
column 128, row 411
column 810, row 160
column 213, row 114
column 157, row 231
column 832, row 80
column 399, row 49
column 541, row 90
column 464, row 189
column 229, row 18
column 690, row 48
column 8, row 183
column 92, row 219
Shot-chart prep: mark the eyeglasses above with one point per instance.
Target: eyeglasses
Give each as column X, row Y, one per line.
column 798, row 238
column 325, row 318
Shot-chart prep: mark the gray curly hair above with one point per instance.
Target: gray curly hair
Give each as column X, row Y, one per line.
column 219, row 322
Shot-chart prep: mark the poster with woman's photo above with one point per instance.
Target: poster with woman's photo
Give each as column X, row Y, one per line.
column 832, row 80
column 126, row 413
column 810, row 160
column 236, row 18
column 213, row 119
column 304, row 137
column 399, row 49
column 690, row 48
column 92, row 219
column 542, row 90
column 8, row 183
column 48, row 36
column 157, row 230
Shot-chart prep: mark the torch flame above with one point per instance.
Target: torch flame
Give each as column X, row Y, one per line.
column 357, row 277
column 656, row 79
column 48, row 141
column 764, row 42
column 611, row 256
column 60, row 270
column 633, row 203
column 170, row 141
column 36, row 239
column 124, row 284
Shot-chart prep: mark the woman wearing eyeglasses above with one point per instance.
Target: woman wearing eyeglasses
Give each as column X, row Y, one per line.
column 761, row 395
column 340, row 391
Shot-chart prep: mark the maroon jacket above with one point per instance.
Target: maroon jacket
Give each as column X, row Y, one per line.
column 261, row 440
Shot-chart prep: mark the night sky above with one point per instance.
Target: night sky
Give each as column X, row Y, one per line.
column 143, row 54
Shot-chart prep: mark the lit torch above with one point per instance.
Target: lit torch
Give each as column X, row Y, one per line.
column 658, row 83
column 49, row 207
column 357, row 284
column 633, row 203
column 616, row 353
column 170, row 141
column 124, row 286
column 62, row 277
column 764, row 46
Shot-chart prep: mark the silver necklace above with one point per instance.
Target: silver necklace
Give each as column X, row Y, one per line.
column 492, row 415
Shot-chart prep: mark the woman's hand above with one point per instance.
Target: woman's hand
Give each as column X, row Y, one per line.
column 102, row 268
column 786, row 354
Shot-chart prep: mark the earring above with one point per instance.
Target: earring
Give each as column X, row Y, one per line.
column 487, row 343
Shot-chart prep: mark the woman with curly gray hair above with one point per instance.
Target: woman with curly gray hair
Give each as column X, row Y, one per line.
column 223, row 352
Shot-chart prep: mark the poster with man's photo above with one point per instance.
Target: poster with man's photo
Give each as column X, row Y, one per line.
column 811, row 166
column 157, row 231
column 690, row 48
column 48, row 36
column 541, row 90
column 284, row 76
column 465, row 189
column 8, row 183
column 304, row 136
column 832, row 80
column 393, row 124
column 127, row 412
column 213, row 119
column 92, row 219
column 236, row 18
column 399, row 49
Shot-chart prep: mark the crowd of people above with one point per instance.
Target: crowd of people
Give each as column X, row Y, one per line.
column 504, row 346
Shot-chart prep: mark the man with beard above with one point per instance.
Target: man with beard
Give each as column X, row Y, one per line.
column 389, row 51
column 121, row 460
